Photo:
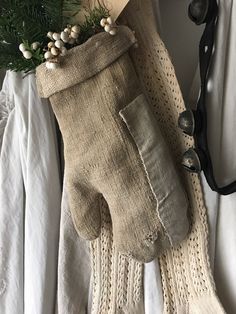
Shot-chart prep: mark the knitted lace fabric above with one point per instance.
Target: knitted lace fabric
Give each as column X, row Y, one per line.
column 117, row 279
column 188, row 285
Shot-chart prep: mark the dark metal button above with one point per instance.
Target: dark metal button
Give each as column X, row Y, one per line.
column 186, row 122
column 191, row 161
column 198, row 10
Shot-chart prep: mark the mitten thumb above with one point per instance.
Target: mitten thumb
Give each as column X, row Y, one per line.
column 84, row 203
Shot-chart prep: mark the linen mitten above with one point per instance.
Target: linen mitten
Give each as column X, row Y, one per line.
column 114, row 148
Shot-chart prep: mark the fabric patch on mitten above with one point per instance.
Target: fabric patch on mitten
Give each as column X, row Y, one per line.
column 160, row 169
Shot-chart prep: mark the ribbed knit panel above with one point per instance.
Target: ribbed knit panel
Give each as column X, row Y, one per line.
column 117, row 279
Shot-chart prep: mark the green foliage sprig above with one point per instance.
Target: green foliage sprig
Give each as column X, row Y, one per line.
column 92, row 21
column 28, row 21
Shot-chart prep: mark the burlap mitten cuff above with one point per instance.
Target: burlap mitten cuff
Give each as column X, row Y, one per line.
column 114, row 148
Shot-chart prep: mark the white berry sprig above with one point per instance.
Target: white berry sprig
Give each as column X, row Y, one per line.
column 27, row 50
column 33, row 53
column 56, row 47
column 60, row 42
column 109, row 26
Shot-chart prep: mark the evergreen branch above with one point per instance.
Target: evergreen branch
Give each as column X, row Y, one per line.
column 11, row 58
column 91, row 25
column 69, row 5
column 28, row 21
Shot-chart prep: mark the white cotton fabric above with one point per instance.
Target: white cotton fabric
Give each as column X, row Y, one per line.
column 221, row 108
column 11, row 211
column 29, row 203
column 153, row 296
column 6, row 106
column 74, row 270
column 40, row 168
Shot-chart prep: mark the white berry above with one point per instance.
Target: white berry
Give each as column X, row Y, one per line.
column 75, row 29
column 22, row 47
column 107, row 28
column 51, row 44
column 103, row 22
column 52, row 65
column 113, row 32
column 49, row 35
column 35, row 45
column 67, row 30
column 27, row 54
column 74, row 35
column 56, row 36
column 47, row 55
column 64, row 37
column 109, row 20
column 54, row 51
column 59, row 44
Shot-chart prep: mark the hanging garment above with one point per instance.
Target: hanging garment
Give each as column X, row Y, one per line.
column 74, row 266
column 30, row 202
column 6, row 103
column 220, row 104
column 41, row 175
column 11, row 207
column 186, row 275
column 221, row 109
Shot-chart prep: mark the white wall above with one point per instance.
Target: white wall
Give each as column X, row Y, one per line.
column 181, row 37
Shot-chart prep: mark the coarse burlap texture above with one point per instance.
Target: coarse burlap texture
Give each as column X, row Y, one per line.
column 94, row 95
